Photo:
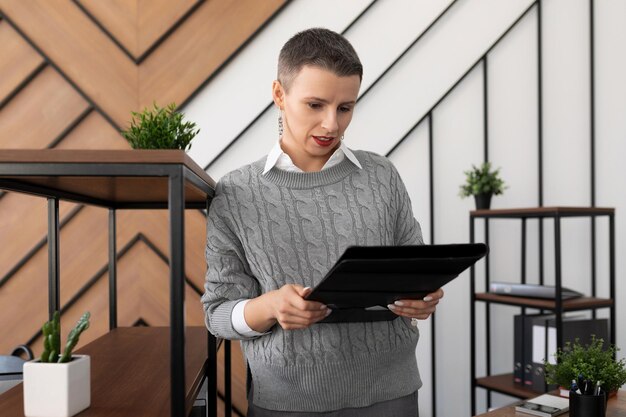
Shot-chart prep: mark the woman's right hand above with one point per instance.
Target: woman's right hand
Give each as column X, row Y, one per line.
column 285, row 306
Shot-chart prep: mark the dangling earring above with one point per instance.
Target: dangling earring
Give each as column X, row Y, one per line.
column 280, row 125
column 341, row 139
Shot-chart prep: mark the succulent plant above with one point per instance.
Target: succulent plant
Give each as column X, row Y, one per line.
column 52, row 338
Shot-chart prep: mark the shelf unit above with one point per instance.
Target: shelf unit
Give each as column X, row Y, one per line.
column 504, row 384
column 126, row 179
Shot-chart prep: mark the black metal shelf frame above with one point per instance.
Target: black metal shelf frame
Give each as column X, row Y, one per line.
column 177, row 176
column 558, row 309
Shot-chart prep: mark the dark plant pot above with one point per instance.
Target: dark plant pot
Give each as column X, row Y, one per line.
column 483, row 201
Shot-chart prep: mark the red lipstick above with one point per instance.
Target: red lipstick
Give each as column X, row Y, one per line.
column 323, row 140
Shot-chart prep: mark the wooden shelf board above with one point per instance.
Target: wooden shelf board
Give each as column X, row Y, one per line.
column 574, row 304
column 543, row 212
column 130, row 371
column 504, row 384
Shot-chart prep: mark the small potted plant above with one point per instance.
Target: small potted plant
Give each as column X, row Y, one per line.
column 58, row 384
column 592, row 362
column 160, row 128
column 482, row 183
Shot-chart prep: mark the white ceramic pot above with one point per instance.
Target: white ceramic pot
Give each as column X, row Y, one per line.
column 57, row 389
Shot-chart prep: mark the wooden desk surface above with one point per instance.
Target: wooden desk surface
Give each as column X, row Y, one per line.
column 616, row 408
column 130, row 373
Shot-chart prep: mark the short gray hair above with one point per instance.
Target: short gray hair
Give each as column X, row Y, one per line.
column 317, row 47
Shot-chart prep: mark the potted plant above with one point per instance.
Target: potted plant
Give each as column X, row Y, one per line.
column 160, row 128
column 482, row 183
column 58, row 384
column 592, row 362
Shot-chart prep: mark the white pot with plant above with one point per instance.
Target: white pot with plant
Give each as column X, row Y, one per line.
column 58, row 385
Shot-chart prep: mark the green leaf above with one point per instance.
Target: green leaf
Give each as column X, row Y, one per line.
column 481, row 180
column 160, row 128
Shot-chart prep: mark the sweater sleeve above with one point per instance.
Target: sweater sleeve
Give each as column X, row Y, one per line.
column 407, row 230
column 228, row 278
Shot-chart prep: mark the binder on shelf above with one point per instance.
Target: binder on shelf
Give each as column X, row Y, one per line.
column 539, row 342
column 365, row 279
column 518, row 349
column 531, row 290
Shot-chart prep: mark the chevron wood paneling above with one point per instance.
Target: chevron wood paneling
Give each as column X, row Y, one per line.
column 23, row 223
column 94, row 132
column 36, row 116
column 119, row 18
column 18, row 59
column 79, row 88
column 138, row 24
column 81, row 50
column 175, row 70
column 142, row 275
column 83, row 253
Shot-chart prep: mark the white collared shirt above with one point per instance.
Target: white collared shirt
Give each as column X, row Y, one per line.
column 277, row 158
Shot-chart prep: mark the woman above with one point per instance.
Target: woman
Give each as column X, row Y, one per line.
column 275, row 228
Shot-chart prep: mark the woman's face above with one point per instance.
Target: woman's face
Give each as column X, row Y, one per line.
column 316, row 110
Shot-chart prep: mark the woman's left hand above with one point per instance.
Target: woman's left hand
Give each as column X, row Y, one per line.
column 417, row 309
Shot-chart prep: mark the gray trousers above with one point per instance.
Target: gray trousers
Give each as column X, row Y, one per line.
column 400, row 407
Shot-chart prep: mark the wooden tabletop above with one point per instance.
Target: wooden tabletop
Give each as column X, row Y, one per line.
column 615, row 408
column 130, row 373
column 88, row 181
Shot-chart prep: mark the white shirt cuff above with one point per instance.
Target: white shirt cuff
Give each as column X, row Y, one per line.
column 239, row 321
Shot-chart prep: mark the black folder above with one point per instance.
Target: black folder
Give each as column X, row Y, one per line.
column 366, row 279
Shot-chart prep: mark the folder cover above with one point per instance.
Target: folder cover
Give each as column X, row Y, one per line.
column 365, row 279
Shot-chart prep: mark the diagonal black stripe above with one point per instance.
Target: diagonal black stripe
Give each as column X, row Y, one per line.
column 58, row 69
column 233, row 55
column 34, row 73
column 471, row 68
column 93, row 280
column 37, row 247
column 240, row 134
column 166, row 260
column 138, row 60
column 69, row 128
column 167, row 33
column 407, row 49
column 104, row 30
column 140, row 322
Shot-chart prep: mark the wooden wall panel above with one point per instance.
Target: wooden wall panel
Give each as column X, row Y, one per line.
column 82, row 51
column 94, row 132
column 18, row 60
column 86, row 68
column 23, row 223
column 154, row 224
column 35, row 117
column 119, row 17
column 156, row 17
column 186, row 58
column 141, row 275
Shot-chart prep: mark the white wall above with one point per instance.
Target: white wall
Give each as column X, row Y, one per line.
column 409, row 91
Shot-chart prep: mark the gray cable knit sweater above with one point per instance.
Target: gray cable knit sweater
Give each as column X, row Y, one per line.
column 265, row 231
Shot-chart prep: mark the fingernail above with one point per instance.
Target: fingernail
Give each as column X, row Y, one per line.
column 391, row 307
column 428, row 298
column 328, row 312
column 322, row 307
column 399, row 303
column 307, row 288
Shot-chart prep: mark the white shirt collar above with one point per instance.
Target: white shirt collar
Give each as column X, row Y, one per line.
column 279, row 159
